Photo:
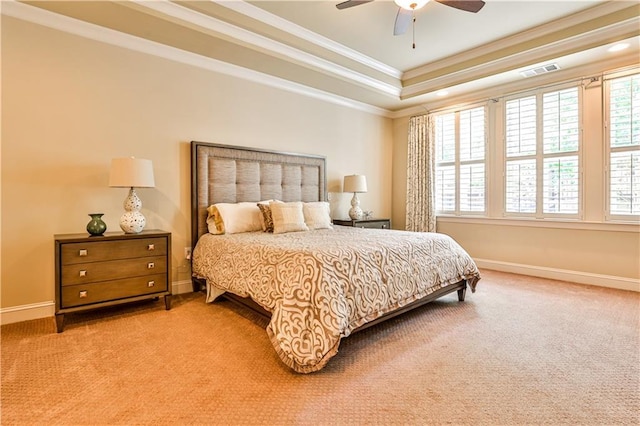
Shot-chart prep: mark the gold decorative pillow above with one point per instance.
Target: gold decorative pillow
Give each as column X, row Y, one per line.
column 287, row 217
column 267, row 217
column 214, row 221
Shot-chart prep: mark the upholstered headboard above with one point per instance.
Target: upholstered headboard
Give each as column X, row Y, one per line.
column 232, row 174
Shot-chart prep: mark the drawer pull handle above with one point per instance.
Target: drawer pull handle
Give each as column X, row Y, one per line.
column 151, row 283
column 83, row 294
column 151, row 265
column 82, row 252
column 151, row 247
column 83, row 273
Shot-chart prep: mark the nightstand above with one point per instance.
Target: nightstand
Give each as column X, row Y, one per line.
column 365, row 223
column 98, row 271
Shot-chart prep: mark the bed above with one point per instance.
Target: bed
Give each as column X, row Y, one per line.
column 315, row 286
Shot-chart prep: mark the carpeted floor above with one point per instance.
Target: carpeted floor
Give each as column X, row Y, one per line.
column 520, row 350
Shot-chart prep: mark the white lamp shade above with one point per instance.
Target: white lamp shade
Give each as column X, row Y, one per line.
column 131, row 172
column 355, row 183
column 411, row 4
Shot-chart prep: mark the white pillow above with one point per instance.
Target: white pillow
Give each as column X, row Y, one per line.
column 287, row 217
column 240, row 217
column 317, row 215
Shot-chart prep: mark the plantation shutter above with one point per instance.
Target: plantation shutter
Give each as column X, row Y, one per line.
column 472, row 154
column 624, row 140
column 542, row 146
column 560, row 141
column 520, row 143
column 460, row 161
column 445, row 163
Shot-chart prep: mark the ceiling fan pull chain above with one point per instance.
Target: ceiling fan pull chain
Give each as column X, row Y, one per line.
column 413, row 25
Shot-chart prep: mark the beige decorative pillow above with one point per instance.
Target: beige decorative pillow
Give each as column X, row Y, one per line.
column 317, row 215
column 287, row 217
column 214, row 221
column 239, row 217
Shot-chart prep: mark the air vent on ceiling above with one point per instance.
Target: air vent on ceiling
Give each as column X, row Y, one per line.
column 539, row 70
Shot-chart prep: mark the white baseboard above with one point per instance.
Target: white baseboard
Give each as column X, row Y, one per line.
column 621, row 283
column 47, row 309
column 27, row 312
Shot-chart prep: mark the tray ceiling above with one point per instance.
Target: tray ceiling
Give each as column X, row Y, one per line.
column 351, row 55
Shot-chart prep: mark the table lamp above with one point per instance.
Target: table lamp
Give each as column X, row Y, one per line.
column 355, row 184
column 131, row 173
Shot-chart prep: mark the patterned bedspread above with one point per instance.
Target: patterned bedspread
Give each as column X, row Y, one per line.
column 321, row 285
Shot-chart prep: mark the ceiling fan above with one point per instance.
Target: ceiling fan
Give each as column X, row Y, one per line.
column 406, row 9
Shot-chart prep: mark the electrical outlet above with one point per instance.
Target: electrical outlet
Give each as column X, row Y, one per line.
column 187, row 253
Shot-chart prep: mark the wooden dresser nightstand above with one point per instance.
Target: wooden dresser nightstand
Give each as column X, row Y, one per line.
column 365, row 223
column 98, row 271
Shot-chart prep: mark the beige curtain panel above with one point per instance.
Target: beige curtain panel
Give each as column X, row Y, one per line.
column 421, row 175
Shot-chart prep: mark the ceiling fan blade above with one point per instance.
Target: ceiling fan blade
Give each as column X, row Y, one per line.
column 473, row 6
column 403, row 20
column 351, row 3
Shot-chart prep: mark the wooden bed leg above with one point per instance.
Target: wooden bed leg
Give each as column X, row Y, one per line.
column 461, row 293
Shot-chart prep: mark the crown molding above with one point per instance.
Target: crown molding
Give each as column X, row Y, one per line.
column 550, row 51
column 289, row 27
column 541, row 31
column 584, row 72
column 521, row 38
column 87, row 30
column 261, row 43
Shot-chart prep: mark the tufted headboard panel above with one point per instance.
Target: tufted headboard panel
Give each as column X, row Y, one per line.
column 231, row 174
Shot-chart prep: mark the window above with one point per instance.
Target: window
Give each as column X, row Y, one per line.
column 542, row 144
column 623, row 142
column 460, row 161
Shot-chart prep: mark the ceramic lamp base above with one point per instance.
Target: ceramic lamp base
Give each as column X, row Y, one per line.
column 355, row 212
column 132, row 221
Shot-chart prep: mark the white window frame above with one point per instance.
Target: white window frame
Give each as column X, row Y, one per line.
column 608, row 149
column 540, row 156
column 457, row 162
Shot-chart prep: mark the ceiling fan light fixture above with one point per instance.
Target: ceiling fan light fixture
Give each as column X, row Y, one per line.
column 411, row 4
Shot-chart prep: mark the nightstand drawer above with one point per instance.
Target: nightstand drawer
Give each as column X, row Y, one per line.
column 95, row 251
column 365, row 223
column 378, row 224
column 82, row 273
column 85, row 294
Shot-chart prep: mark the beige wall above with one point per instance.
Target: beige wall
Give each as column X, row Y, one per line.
column 70, row 105
column 590, row 252
column 608, row 253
